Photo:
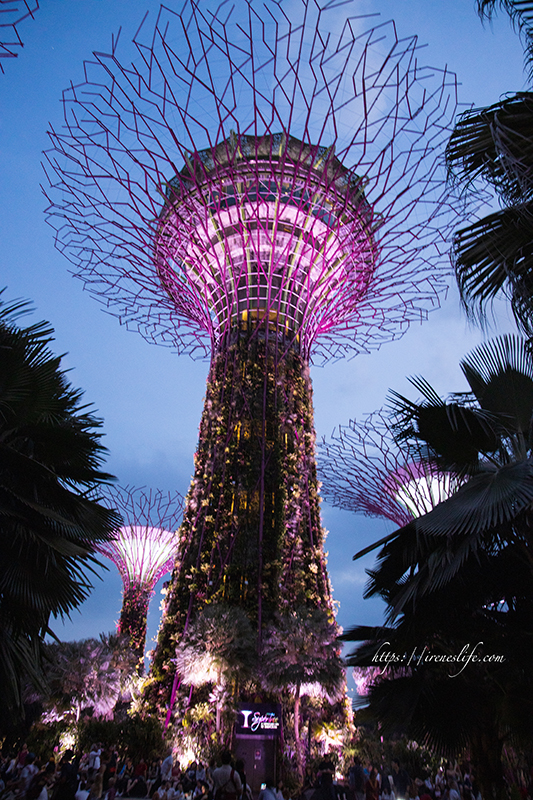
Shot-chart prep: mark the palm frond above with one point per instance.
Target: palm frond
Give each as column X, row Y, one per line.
column 491, row 252
column 495, row 144
column 521, row 13
column 500, row 373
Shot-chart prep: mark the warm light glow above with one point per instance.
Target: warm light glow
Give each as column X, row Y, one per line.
column 270, row 227
column 421, row 494
column 143, row 554
column 363, row 469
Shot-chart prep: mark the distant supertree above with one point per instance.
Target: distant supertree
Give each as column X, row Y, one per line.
column 364, row 470
column 263, row 186
column 12, row 13
column 145, row 547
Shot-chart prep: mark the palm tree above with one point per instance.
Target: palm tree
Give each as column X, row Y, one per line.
column 495, row 145
column 462, row 574
column 301, row 653
column 50, row 454
column 91, row 675
column 219, row 647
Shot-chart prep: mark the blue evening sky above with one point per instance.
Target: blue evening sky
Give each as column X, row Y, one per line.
column 149, row 398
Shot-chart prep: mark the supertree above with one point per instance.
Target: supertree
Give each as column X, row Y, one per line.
column 364, row 470
column 262, row 186
column 143, row 550
column 12, row 13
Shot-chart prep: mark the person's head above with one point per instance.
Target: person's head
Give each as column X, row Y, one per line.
column 357, row 761
column 239, row 765
column 226, row 757
column 395, row 765
column 270, row 781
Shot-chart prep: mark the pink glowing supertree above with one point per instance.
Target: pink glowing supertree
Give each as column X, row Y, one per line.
column 364, row 470
column 263, row 187
column 12, row 13
column 143, row 550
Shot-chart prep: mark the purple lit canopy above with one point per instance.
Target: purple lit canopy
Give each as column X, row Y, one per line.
column 146, row 546
column 247, row 165
column 143, row 550
column 365, row 471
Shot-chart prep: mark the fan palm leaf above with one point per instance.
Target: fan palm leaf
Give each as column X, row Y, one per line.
column 50, row 458
column 492, row 254
column 495, row 144
column 521, row 13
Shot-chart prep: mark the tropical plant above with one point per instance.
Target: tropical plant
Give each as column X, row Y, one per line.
column 89, row 677
column 301, row 654
column 458, row 580
column 50, row 454
column 495, row 145
column 219, row 647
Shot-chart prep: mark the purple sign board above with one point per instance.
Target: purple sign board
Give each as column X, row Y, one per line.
column 258, row 719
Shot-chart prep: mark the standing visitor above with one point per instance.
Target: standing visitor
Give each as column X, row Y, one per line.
column 401, row 780
column 227, row 783
column 372, row 786
column 356, row 780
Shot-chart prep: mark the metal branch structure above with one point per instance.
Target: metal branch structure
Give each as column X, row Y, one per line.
column 143, row 550
column 365, row 471
column 12, row 13
column 262, row 185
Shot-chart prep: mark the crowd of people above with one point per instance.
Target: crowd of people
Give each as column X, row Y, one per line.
column 366, row 782
column 100, row 774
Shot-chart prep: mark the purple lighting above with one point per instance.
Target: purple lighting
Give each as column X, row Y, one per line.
column 144, row 549
column 365, row 471
column 265, row 189
column 289, row 163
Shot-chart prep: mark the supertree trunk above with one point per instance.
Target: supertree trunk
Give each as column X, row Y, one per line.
column 251, row 533
column 133, row 618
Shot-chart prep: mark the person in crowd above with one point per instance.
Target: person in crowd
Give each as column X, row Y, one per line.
column 27, row 773
column 372, row 785
column 67, row 783
column 280, row 791
column 269, row 790
column 454, row 794
column 93, row 763
column 22, row 756
column 166, row 767
column 200, row 791
column 356, row 780
column 83, row 791
column 246, row 790
column 401, row 780
column 387, row 787
column 226, row 780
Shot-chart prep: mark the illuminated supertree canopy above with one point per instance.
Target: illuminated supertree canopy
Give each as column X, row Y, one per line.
column 143, row 550
column 364, row 470
column 12, row 13
column 263, row 186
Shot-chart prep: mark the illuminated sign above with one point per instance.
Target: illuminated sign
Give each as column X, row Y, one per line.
column 258, row 719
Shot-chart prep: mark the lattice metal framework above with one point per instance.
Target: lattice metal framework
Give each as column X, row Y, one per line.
column 143, row 550
column 12, row 13
column 365, row 471
column 257, row 159
column 264, row 186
